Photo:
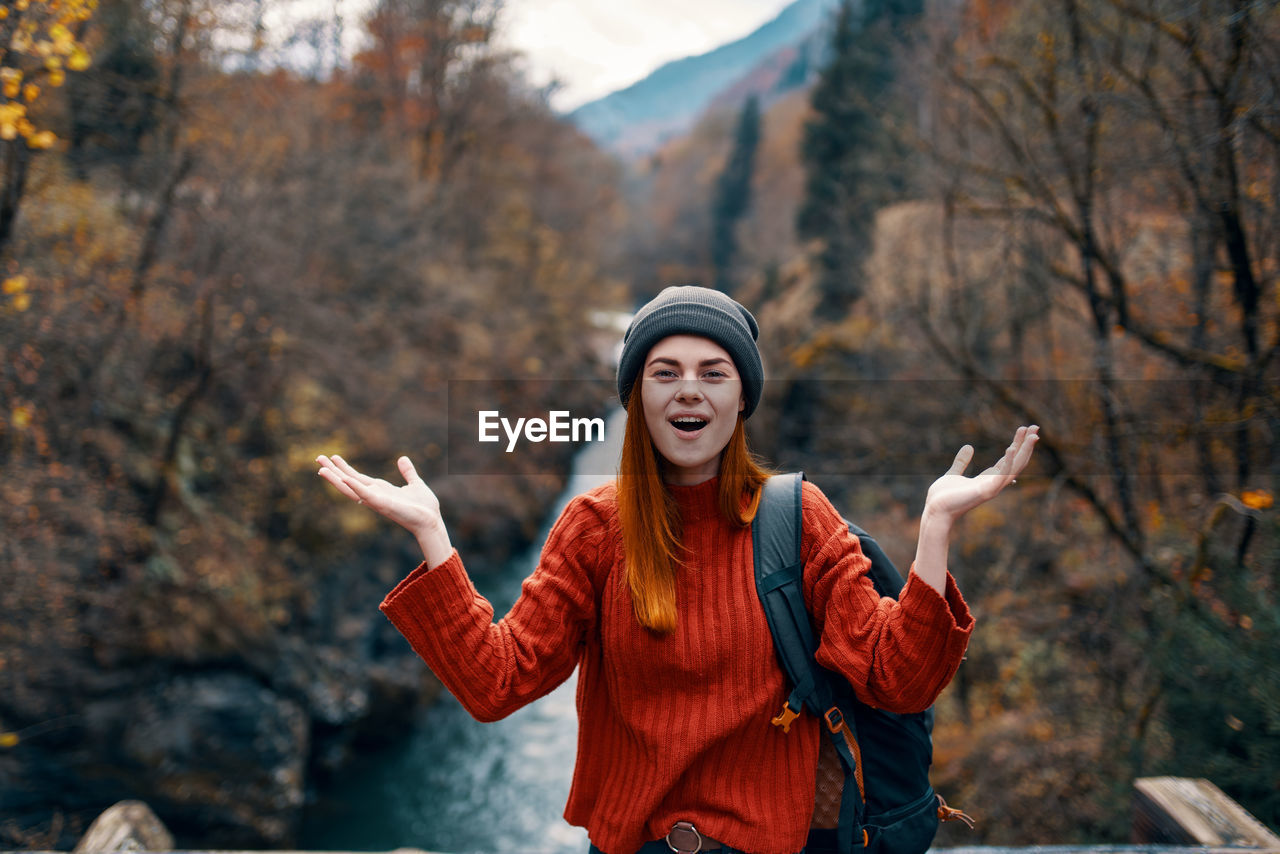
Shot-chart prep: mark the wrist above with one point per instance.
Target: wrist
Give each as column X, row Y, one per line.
column 433, row 539
column 935, row 521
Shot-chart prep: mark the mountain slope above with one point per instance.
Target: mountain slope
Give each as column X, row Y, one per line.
column 639, row 118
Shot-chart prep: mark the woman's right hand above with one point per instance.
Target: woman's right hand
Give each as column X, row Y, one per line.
column 412, row 506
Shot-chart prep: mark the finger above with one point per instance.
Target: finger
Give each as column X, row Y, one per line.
column 339, row 482
column 330, row 465
column 1016, row 456
column 364, row 492
column 961, row 462
column 350, row 472
column 1025, row 450
column 407, row 471
column 1005, row 464
column 327, row 465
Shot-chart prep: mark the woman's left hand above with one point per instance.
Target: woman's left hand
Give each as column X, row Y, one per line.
column 953, row 494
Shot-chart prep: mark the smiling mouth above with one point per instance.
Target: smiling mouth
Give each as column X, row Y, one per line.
column 688, row 425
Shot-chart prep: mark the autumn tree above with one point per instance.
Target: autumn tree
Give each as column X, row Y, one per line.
column 273, row 276
column 39, row 44
column 425, row 56
column 1092, row 247
column 733, row 194
column 1104, row 182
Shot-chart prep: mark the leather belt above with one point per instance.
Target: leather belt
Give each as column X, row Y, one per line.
column 684, row 838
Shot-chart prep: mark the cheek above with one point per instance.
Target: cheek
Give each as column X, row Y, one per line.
column 651, row 403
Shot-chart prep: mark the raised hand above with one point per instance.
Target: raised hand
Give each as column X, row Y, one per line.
column 953, row 494
column 413, row 506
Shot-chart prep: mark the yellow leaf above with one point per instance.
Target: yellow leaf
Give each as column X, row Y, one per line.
column 57, row 77
column 21, row 417
column 14, row 284
column 8, row 130
column 44, row 139
column 79, row 59
column 1257, row 499
column 22, row 302
column 12, row 88
column 30, row 92
column 8, row 739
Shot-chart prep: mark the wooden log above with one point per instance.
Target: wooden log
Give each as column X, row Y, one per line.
column 1184, row 811
column 127, row 826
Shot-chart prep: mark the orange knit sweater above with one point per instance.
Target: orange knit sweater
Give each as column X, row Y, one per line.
column 677, row 726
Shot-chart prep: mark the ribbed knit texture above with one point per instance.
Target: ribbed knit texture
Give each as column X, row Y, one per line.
column 677, row 726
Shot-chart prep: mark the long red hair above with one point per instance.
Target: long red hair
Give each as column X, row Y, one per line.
column 651, row 519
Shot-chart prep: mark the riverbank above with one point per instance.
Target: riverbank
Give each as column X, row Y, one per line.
column 229, row 739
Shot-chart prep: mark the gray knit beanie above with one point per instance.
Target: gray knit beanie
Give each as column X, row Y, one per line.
column 692, row 310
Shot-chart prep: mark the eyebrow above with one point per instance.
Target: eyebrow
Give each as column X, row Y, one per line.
column 716, row 360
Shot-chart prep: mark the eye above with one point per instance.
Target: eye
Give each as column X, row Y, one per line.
column 716, row 374
column 663, row 374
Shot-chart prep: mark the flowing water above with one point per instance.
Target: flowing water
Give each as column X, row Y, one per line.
column 456, row 785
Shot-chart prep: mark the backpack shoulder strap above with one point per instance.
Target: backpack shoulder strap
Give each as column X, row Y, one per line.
column 779, row 569
column 884, row 575
column 775, row 541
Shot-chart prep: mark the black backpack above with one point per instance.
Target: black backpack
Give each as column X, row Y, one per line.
column 886, row 805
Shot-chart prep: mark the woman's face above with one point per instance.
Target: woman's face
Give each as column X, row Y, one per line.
column 692, row 395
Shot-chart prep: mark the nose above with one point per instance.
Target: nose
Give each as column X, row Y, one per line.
column 690, row 389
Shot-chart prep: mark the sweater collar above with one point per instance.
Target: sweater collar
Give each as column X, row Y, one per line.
column 699, row 501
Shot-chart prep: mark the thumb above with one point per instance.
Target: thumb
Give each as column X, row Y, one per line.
column 961, row 462
column 407, row 471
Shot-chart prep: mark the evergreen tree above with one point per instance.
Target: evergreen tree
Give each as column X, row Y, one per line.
column 733, row 194
column 845, row 144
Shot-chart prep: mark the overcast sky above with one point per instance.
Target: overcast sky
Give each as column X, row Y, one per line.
column 593, row 46
column 597, row 46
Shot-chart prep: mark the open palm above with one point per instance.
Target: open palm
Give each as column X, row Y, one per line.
column 413, row 505
column 953, row 494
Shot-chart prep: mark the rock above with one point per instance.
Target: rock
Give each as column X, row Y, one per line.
column 127, row 826
column 224, row 756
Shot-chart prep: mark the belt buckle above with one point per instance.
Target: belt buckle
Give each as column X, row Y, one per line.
column 683, row 834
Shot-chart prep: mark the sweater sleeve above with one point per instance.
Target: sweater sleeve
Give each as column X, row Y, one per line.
column 495, row 668
column 897, row 655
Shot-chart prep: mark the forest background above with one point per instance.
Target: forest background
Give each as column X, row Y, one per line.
column 980, row 213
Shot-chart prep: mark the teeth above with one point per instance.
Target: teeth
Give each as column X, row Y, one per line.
column 688, row 423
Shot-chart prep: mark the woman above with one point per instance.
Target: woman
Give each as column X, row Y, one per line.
column 646, row 585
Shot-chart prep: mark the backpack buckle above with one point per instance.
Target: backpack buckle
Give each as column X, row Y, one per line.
column 834, row 718
column 785, row 717
column 946, row 813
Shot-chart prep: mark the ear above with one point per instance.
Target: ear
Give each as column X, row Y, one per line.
column 742, row 401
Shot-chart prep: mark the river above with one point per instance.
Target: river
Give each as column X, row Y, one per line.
column 456, row 785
